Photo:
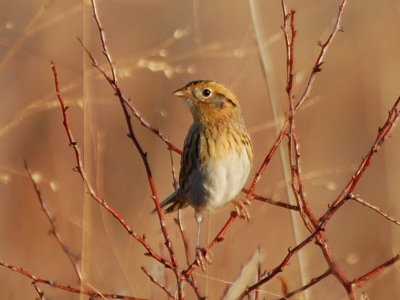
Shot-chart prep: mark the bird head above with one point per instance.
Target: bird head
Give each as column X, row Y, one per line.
column 209, row 100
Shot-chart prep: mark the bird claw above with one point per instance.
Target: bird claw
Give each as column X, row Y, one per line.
column 202, row 257
column 241, row 209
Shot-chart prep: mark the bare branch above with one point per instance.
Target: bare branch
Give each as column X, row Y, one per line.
column 278, row 269
column 357, row 199
column 313, row 281
column 38, row 291
column 159, row 284
column 115, row 84
column 72, row 258
column 321, row 56
column 79, row 168
column 383, row 134
column 358, row 281
column 271, row 201
column 68, row 288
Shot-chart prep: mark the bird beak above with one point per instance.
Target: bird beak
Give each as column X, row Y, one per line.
column 182, row 93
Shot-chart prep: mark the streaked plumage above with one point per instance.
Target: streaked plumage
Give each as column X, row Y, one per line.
column 217, row 153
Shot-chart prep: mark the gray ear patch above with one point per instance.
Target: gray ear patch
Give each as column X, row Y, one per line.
column 219, row 100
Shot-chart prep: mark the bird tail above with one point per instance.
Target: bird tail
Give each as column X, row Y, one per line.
column 173, row 203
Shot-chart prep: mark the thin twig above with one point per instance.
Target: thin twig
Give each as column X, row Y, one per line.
column 321, row 56
column 308, row 285
column 115, row 84
column 159, row 284
column 271, row 201
column 72, row 258
column 357, row 199
column 38, row 291
column 79, row 168
column 383, row 134
column 124, row 104
column 279, row 268
column 64, row 287
column 359, row 281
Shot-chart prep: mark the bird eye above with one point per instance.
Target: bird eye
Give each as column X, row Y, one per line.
column 206, row 93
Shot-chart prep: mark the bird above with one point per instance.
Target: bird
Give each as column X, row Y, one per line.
column 217, row 153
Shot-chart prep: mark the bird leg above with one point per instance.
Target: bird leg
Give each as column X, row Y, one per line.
column 199, row 220
column 201, row 253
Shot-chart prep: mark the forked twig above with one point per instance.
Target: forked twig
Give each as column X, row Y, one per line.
column 79, row 168
column 123, row 101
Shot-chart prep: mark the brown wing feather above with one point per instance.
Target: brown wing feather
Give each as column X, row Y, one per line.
column 173, row 203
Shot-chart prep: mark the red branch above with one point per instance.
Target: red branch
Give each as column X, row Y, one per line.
column 313, row 281
column 115, row 85
column 271, row 201
column 279, row 268
column 159, row 284
column 113, row 81
column 309, row 220
column 382, row 135
column 125, row 104
column 357, row 199
column 321, row 56
column 79, row 168
column 68, row 288
column 72, row 258
column 359, row 281
column 38, row 291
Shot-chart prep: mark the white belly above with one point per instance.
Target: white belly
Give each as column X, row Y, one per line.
column 218, row 181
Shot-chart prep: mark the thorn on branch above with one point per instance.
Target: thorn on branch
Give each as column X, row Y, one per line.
column 317, row 68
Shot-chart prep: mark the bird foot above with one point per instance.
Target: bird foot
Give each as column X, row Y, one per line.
column 241, row 209
column 202, row 257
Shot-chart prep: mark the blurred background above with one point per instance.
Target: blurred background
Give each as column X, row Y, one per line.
column 158, row 46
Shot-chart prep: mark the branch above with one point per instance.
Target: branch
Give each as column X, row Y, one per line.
column 383, row 134
column 278, row 269
column 359, row 281
column 38, row 291
column 271, row 201
column 115, row 84
column 159, row 284
column 321, row 56
column 357, row 199
column 68, row 288
column 79, row 168
column 72, row 258
column 308, row 285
